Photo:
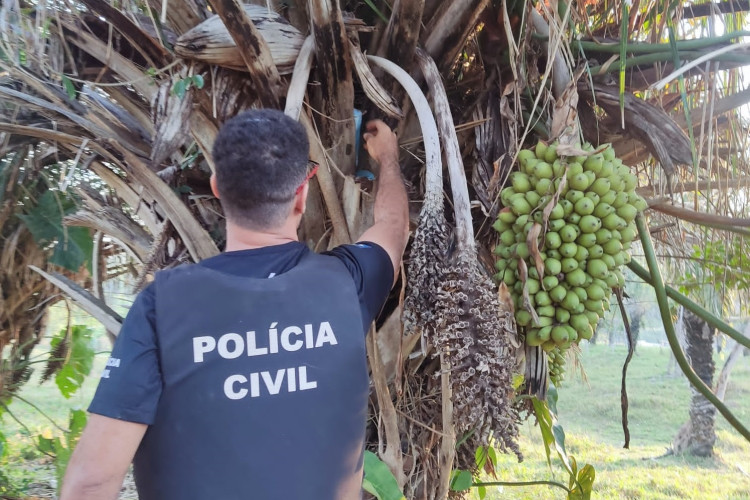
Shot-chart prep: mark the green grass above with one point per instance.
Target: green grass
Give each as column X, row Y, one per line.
column 589, row 413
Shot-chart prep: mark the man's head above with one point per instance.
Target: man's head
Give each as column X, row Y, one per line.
column 261, row 159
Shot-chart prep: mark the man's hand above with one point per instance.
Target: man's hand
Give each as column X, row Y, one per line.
column 380, row 142
column 101, row 459
column 391, row 227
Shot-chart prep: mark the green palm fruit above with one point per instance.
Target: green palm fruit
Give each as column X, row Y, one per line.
column 550, row 154
column 595, row 306
column 586, row 240
column 507, row 237
column 532, row 337
column 579, row 181
column 550, row 282
column 614, row 221
column 609, row 153
column 590, row 223
column 584, row 206
column 556, row 225
column 542, row 298
column 574, row 195
column 567, row 206
column 621, row 199
column 544, row 333
column 539, row 150
column 523, row 317
column 562, row 315
column 597, row 268
column 581, row 292
column 568, row 249
column 543, row 170
column 582, row 254
column 595, row 292
column 509, row 277
column 600, row 186
column 558, row 167
column 543, row 186
column 596, row 251
column 559, row 334
column 526, row 154
column 594, row 163
column 506, row 215
column 569, row 264
column 612, row 247
column 637, row 201
column 569, row 233
column 593, row 317
column 627, row 212
column 609, row 198
column 553, row 241
column 558, row 212
column 558, row 294
column 575, row 278
column 505, row 195
column 603, row 209
column 546, row 311
column 532, row 286
column 520, row 182
column 500, row 226
column 603, row 236
column 552, row 267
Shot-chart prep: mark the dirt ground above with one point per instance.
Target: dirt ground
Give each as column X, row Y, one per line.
column 46, row 488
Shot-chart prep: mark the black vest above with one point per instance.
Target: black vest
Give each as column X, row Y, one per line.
column 265, row 386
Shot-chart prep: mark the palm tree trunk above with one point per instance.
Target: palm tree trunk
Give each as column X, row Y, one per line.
column 698, row 435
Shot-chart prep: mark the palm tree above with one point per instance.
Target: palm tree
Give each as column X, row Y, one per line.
column 115, row 106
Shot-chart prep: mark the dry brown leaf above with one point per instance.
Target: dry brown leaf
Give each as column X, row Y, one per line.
column 532, row 241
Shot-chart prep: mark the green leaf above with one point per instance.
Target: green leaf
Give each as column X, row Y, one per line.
column 552, row 432
column 461, row 480
column 3, row 442
column 481, row 492
column 79, row 362
column 73, row 245
column 179, row 88
column 377, row 12
column 45, row 445
column 198, row 81
column 69, row 87
column 76, row 423
column 379, row 480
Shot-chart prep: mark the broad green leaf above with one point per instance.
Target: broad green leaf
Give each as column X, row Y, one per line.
column 552, row 432
column 379, row 480
column 198, row 81
column 461, row 480
column 73, row 245
column 79, row 362
column 45, row 444
column 69, row 87
column 481, row 492
column 76, row 423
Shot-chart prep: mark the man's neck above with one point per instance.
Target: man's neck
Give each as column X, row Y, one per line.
column 240, row 238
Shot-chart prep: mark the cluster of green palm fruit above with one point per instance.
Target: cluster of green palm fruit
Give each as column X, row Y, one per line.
column 581, row 210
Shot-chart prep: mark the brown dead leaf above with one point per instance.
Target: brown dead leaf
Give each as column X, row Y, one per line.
column 523, row 274
column 505, row 299
column 532, row 242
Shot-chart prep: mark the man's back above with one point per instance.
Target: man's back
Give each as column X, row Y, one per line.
column 263, row 379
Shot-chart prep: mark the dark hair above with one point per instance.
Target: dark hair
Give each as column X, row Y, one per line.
column 261, row 158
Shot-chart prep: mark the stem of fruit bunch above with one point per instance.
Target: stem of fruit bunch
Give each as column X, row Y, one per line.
column 663, row 301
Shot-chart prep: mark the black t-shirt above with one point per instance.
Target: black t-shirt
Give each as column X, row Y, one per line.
column 131, row 383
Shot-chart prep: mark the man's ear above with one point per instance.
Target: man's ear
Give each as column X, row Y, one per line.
column 214, row 189
column 300, row 200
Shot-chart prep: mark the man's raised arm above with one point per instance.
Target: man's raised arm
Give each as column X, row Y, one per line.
column 101, row 459
column 391, row 227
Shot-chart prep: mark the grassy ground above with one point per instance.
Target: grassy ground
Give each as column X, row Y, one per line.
column 589, row 412
column 590, row 415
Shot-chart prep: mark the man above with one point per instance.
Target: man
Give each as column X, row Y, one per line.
column 244, row 376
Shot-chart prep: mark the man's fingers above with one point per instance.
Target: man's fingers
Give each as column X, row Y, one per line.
column 367, row 137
